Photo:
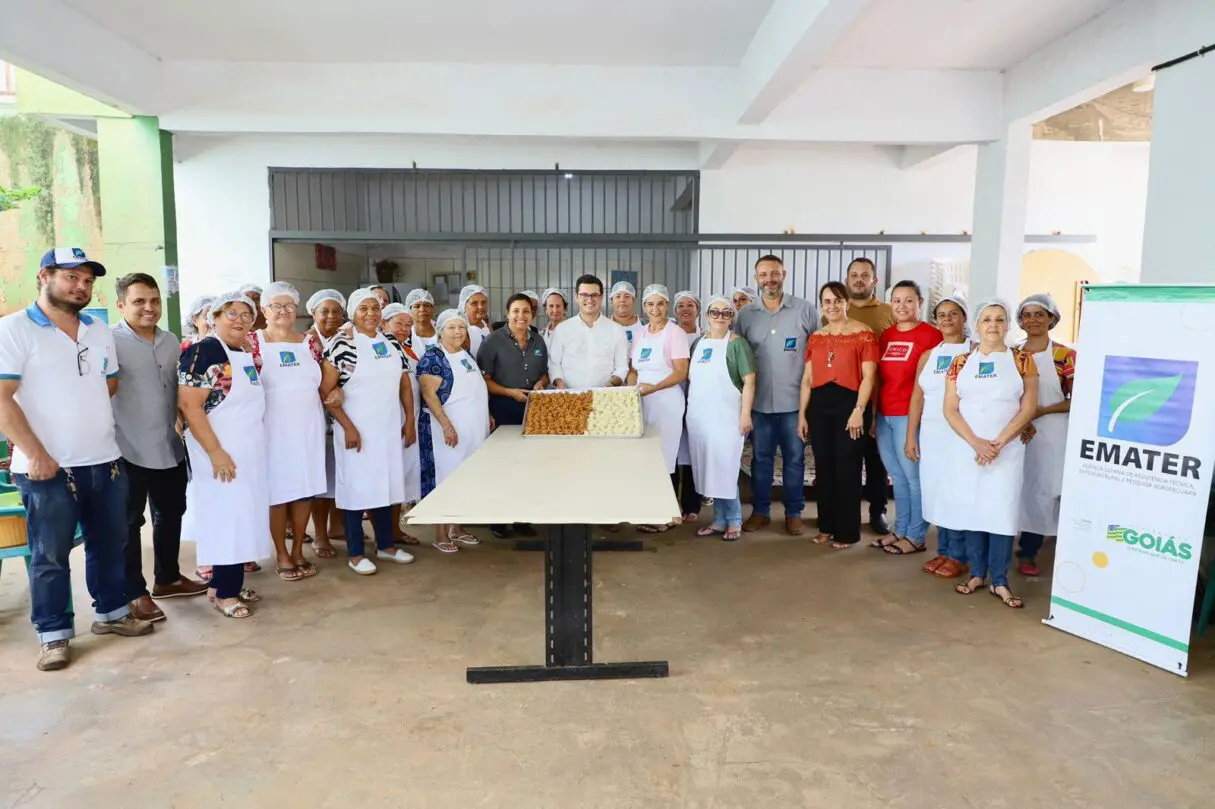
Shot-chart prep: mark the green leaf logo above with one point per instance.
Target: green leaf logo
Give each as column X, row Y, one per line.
column 1140, row 399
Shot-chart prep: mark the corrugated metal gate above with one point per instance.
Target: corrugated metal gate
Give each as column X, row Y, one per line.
column 721, row 267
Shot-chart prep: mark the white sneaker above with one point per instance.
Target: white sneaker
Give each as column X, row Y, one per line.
column 365, row 567
column 397, row 555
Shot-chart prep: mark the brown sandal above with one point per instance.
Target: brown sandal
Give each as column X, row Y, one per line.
column 932, row 564
column 950, row 569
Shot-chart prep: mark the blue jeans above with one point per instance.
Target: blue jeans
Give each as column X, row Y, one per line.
column 727, row 513
column 952, row 544
column 990, row 554
column 95, row 497
column 381, row 524
column 1029, row 545
column 770, row 431
column 905, row 475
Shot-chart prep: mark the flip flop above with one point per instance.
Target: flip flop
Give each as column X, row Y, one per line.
column 446, row 546
column 821, row 539
column 324, row 551
column 653, row 529
column 252, row 567
column 709, row 531
column 732, row 534
column 308, row 569
column 407, row 539
column 284, row 571
column 464, row 538
column 202, row 573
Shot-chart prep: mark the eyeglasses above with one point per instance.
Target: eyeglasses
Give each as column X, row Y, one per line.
column 589, row 296
column 282, row 308
column 720, row 314
column 82, row 362
column 238, row 315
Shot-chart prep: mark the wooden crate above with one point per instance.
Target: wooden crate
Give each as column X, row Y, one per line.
column 12, row 532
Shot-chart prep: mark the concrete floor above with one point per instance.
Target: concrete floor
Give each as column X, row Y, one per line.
column 800, row 677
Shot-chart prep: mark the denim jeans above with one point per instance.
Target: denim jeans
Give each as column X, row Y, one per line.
column 1029, row 545
column 381, row 523
column 770, row 431
column 727, row 513
column 952, row 544
column 990, row 554
column 905, row 475
column 95, row 497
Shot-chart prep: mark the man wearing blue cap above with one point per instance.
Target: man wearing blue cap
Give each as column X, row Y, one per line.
column 66, row 462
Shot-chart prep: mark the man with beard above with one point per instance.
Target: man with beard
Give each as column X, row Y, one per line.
column 777, row 326
column 865, row 306
column 66, row 462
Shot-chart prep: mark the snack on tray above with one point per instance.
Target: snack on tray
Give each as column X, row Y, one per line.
column 557, row 413
column 616, row 411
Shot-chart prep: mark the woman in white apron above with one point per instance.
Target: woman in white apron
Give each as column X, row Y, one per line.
column 398, row 322
column 292, row 366
column 555, row 308
column 421, row 306
column 474, row 303
column 328, row 310
column 687, row 317
column 369, row 431
column 991, row 394
column 933, row 443
column 222, row 402
column 455, row 415
column 1045, row 454
column 659, row 367
column 721, row 390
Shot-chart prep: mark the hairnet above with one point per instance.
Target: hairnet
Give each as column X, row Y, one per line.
column 554, row 291
column 956, row 298
column 625, row 287
column 220, row 301
column 448, row 315
column 325, row 295
column 281, row 288
column 531, row 294
column 687, row 293
column 357, row 297
column 726, row 299
column 986, row 302
column 417, row 296
column 468, row 292
column 1044, row 300
column 254, row 288
column 200, row 306
column 750, row 292
column 656, row 289
column 394, row 309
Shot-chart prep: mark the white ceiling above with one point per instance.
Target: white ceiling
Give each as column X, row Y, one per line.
column 603, row 32
column 957, row 34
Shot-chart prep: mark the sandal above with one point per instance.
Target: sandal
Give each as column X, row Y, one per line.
column 842, row 546
column 950, row 569
column 1009, row 600
column 464, row 538
column 289, row 573
column 690, row 517
column 202, row 573
column 307, row 568
column 966, row 588
column 249, row 595
column 933, row 564
column 408, row 539
column 881, row 543
column 252, row 567
column 326, row 551
column 447, row 546
column 820, row 539
column 710, row 530
column 653, row 529
column 732, row 534
column 235, row 609
column 895, row 549
column 1028, row 568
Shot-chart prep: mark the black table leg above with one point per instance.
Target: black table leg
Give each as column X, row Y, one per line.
column 568, row 609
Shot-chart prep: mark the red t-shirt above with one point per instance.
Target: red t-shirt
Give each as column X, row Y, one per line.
column 898, row 357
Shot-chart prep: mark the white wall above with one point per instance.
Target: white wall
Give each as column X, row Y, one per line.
column 296, row 264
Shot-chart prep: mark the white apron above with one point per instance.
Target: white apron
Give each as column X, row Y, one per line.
column 467, row 407
column 295, row 421
column 231, row 521
column 329, row 461
column 685, row 450
column 714, row 408
column 939, row 444
column 375, row 476
column 412, row 458
column 419, row 344
column 989, row 497
column 1044, row 455
column 476, row 336
column 664, row 408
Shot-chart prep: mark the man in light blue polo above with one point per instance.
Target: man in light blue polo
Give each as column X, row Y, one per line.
column 58, row 369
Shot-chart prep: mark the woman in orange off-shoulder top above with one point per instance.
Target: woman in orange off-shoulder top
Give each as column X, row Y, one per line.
column 841, row 366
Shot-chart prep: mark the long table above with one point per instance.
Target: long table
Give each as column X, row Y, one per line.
column 567, row 485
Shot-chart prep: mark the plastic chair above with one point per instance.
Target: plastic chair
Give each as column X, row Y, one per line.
column 10, row 506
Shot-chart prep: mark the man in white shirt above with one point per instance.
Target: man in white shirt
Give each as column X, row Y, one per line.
column 588, row 351
column 66, row 462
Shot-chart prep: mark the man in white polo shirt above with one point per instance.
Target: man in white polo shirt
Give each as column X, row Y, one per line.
column 58, row 369
column 588, row 351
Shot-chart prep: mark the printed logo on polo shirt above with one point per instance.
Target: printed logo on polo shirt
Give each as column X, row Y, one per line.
column 897, row 352
column 1146, row 401
column 645, row 354
column 987, row 370
column 286, row 359
column 251, row 372
column 380, row 350
column 704, row 357
column 468, row 366
column 790, row 344
column 943, row 363
column 538, row 352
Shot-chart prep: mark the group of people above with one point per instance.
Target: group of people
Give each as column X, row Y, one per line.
column 251, row 432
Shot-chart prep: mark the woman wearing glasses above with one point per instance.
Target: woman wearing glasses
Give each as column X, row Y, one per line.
column 721, row 390
column 659, row 366
column 295, row 376
column 222, row 401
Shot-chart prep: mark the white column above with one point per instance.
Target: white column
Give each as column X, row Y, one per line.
column 1001, row 192
column 1179, row 229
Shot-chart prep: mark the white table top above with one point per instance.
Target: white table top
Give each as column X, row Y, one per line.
column 557, row 479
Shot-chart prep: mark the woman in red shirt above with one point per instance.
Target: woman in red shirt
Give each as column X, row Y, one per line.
column 900, row 349
column 841, row 365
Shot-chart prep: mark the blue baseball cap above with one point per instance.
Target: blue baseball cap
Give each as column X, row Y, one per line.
column 69, row 258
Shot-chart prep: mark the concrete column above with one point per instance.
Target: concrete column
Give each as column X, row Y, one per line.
column 1001, row 194
column 1179, row 228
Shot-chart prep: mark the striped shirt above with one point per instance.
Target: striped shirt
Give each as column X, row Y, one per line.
column 343, row 352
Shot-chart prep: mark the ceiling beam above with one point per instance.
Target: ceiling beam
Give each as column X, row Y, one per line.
column 714, row 154
column 791, row 41
column 922, row 157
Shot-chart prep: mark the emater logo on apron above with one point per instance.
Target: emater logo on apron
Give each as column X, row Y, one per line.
column 943, row 363
column 251, row 372
column 380, row 349
column 708, row 352
column 645, row 354
column 987, row 370
column 467, row 365
column 286, row 359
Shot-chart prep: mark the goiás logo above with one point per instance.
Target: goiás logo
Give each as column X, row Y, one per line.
column 1152, row 544
column 1144, row 401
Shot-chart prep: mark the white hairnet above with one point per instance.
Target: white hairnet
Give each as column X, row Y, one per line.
column 468, row 292
column 625, row 287
column 531, row 294
column 656, row 289
column 959, row 300
column 448, row 315
column 325, row 295
column 417, row 296
column 726, row 299
column 200, row 306
column 394, row 309
column 220, row 301
column 281, row 288
column 554, row 291
column 1044, row 300
column 254, row 288
column 986, row 302
column 687, row 293
column 357, row 297
column 750, row 292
